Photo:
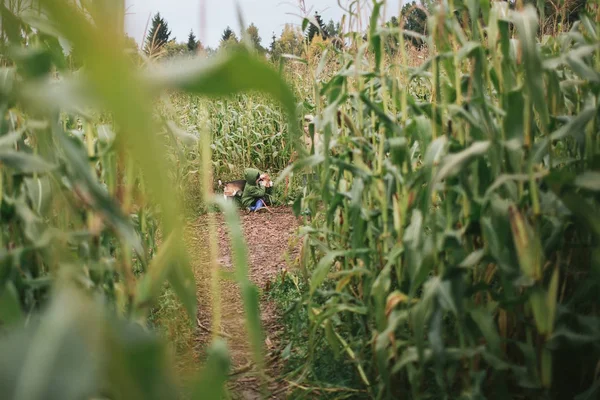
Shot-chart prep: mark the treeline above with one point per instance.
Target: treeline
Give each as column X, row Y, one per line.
column 159, row 43
column 295, row 41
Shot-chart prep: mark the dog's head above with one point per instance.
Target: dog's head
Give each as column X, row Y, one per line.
column 308, row 119
column 265, row 181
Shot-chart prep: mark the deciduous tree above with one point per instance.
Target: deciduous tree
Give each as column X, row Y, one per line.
column 290, row 42
column 252, row 32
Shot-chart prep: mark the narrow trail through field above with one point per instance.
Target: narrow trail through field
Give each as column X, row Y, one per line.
column 270, row 241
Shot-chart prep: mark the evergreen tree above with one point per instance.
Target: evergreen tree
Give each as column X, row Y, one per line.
column 228, row 38
column 415, row 20
column 313, row 30
column 192, row 43
column 228, row 35
column 331, row 31
column 158, row 35
column 273, row 44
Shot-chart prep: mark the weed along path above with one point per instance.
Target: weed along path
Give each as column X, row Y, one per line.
column 270, row 238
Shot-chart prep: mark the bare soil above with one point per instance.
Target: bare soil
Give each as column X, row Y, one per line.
column 270, row 237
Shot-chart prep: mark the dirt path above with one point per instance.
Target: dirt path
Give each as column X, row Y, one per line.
column 270, row 239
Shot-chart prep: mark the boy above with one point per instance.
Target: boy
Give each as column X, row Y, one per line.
column 257, row 188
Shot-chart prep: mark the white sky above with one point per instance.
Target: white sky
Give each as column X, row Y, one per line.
column 268, row 15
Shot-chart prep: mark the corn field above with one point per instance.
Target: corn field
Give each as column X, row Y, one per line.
column 453, row 242
column 246, row 131
column 450, row 226
column 87, row 188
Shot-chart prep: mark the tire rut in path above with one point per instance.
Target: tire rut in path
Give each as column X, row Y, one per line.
column 270, row 238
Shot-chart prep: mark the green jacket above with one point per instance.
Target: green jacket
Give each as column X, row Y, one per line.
column 252, row 191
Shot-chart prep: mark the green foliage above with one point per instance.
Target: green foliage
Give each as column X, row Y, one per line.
column 247, row 131
column 158, row 35
column 556, row 14
column 85, row 193
column 451, row 242
column 174, row 49
column 252, row 32
column 415, row 20
column 291, row 42
column 322, row 364
column 78, row 350
column 451, row 233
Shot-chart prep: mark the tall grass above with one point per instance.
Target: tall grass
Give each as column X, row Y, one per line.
column 452, row 231
column 246, row 130
column 452, row 243
column 89, row 179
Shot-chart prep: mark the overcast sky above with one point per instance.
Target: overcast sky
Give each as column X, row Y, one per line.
column 268, row 15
